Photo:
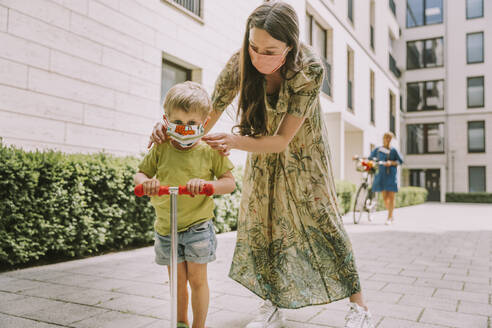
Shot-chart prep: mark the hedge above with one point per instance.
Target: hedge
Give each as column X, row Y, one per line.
column 471, row 197
column 406, row 196
column 63, row 206
column 345, row 193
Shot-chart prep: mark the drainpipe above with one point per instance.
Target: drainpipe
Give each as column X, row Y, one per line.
column 446, row 103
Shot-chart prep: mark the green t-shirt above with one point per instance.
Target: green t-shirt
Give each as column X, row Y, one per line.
column 174, row 167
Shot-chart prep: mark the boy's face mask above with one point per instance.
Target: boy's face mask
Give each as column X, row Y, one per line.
column 185, row 135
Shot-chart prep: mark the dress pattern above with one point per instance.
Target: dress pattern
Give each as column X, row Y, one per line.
column 291, row 248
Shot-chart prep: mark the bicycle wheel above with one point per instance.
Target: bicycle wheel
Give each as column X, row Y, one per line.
column 360, row 203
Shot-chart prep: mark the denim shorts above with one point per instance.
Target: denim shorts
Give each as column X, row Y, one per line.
column 197, row 244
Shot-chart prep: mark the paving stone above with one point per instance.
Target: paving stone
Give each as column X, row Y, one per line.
column 475, row 308
column 7, row 297
column 27, row 304
column 453, row 319
column 409, row 289
column 463, row 296
column 133, row 304
column 393, row 278
column 7, row 321
column 398, row 311
column 17, row 285
column 438, row 283
column 113, row 319
column 397, row 323
column 430, row 302
column 422, row 274
column 65, row 313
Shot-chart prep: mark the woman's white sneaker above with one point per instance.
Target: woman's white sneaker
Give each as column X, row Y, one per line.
column 358, row 317
column 269, row 317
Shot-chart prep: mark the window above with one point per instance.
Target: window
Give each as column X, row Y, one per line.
column 171, row 75
column 372, row 22
column 372, row 92
column 425, row 138
column 321, row 40
column 392, row 62
column 474, row 48
column 474, row 9
column 475, row 92
column 476, row 137
column 392, row 113
column 350, row 79
column 476, row 178
column 350, row 10
column 194, row 6
column 417, row 178
column 428, row 95
column 424, row 12
column 425, row 53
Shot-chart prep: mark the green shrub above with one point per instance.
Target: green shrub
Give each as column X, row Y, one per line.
column 226, row 210
column 61, row 206
column 469, row 197
column 406, row 196
column 345, row 194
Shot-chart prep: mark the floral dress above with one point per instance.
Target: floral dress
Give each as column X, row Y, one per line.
column 291, row 248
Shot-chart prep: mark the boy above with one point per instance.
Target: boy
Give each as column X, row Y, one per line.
column 185, row 160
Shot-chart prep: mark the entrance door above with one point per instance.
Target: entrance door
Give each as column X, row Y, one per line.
column 433, row 185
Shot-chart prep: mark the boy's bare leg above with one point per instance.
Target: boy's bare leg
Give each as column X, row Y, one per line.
column 200, row 294
column 182, row 292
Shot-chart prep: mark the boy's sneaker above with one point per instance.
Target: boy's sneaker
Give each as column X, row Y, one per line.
column 357, row 317
column 269, row 317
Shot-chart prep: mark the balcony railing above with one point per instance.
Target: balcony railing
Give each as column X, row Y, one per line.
column 192, row 5
column 392, row 6
column 393, row 67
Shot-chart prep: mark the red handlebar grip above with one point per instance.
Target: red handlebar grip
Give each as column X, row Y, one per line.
column 208, row 189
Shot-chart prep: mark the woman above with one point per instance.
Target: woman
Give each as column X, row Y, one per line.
column 292, row 249
column 385, row 180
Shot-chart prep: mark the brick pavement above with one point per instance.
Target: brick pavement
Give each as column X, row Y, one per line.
column 430, row 269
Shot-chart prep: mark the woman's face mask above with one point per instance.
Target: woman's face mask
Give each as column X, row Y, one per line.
column 267, row 64
column 185, row 135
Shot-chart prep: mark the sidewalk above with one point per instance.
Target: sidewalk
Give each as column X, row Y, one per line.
column 432, row 268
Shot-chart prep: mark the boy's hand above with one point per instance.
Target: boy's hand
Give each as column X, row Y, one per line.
column 195, row 186
column 151, row 187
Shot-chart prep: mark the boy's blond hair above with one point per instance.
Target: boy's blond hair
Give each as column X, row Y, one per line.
column 188, row 96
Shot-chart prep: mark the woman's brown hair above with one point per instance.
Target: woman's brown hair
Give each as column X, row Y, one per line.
column 280, row 21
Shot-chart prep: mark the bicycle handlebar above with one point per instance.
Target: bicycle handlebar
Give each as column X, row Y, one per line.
column 208, row 189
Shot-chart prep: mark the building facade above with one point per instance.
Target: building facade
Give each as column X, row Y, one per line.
column 90, row 75
column 445, row 47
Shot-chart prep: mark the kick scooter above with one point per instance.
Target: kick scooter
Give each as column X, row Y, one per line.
column 208, row 189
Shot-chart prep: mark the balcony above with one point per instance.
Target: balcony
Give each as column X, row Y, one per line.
column 392, row 6
column 393, row 68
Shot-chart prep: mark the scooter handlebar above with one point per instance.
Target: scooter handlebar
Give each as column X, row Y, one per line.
column 208, row 189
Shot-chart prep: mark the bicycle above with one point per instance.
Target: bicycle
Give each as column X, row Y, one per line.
column 365, row 198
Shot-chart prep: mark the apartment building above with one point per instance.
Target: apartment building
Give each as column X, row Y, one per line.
column 445, row 46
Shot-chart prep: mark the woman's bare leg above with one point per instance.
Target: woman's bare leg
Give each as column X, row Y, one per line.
column 358, row 299
column 391, row 204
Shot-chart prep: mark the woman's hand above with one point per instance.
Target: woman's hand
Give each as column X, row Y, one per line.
column 195, row 186
column 222, row 142
column 151, row 187
column 389, row 163
column 159, row 134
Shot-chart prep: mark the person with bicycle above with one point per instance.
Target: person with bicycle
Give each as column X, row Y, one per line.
column 385, row 180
